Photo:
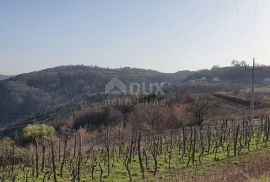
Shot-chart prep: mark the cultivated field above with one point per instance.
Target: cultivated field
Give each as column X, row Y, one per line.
column 183, row 154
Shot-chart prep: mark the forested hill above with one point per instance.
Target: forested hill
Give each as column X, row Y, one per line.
column 28, row 93
column 236, row 73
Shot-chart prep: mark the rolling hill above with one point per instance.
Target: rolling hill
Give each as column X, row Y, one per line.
column 26, row 94
column 233, row 74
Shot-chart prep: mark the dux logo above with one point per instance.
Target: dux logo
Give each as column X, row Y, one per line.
column 116, row 86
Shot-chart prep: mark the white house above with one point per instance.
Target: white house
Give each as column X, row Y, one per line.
column 216, row 79
column 203, row 79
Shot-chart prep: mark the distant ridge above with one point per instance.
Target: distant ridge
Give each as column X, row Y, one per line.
column 40, row 91
column 4, row 77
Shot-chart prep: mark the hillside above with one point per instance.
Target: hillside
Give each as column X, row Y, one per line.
column 237, row 74
column 25, row 94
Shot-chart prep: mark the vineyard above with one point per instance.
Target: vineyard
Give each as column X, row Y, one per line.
column 177, row 154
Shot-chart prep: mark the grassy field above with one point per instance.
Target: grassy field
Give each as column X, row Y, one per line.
column 265, row 89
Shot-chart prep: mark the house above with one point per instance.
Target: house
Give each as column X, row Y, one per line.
column 203, row 79
column 216, row 79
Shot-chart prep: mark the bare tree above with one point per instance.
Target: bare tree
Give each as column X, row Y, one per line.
column 243, row 63
column 234, row 62
column 199, row 109
column 152, row 115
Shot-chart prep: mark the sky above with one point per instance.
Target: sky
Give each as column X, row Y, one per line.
column 163, row 35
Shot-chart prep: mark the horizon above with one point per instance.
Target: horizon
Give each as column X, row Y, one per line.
column 157, row 35
column 40, row 69
column 112, row 68
column 92, row 66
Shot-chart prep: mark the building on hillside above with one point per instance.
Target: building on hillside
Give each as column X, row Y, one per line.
column 203, row 79
column 216, row 79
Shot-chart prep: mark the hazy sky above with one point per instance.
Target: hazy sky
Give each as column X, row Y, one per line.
column 165, row 35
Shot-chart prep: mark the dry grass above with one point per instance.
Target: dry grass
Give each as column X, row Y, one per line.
column 251, row 171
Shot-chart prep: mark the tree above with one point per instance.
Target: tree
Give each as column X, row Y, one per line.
column 149, row 115
column 236, row 63
column 233, row 63
column 36, row 132
column 243, row 63
column 215, row 67
column 199, row 109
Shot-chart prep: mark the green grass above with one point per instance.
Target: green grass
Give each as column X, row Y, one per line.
column 265, row 89
column 179, row 168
